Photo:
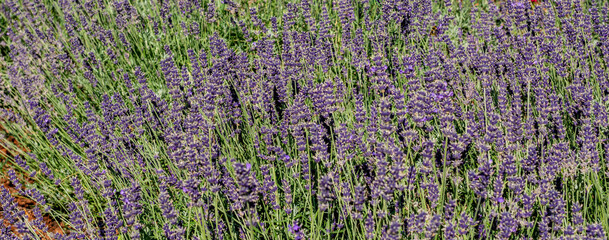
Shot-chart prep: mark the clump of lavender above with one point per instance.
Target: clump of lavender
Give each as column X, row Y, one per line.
column 188, row 119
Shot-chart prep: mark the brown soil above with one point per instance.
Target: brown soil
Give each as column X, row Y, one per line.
column 25, row 204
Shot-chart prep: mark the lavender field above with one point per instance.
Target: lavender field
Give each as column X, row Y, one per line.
column 304, row 119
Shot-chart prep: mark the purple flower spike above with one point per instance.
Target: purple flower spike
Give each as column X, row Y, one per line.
column 294, row 229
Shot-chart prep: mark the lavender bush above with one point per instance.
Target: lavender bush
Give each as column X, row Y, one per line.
column 306, row 119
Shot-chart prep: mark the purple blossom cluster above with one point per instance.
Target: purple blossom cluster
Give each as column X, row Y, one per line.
column 346, row 119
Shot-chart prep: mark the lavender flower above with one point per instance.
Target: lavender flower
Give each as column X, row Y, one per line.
column 295, row 230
